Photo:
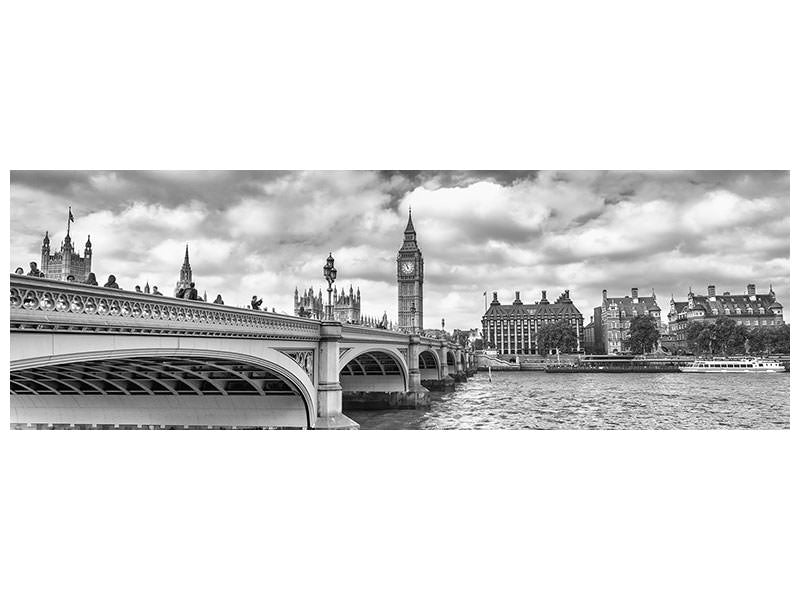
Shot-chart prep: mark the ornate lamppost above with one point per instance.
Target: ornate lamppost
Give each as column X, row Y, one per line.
column 413, row 318
column 329, row 271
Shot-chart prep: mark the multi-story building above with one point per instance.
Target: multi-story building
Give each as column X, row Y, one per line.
column 750, row 309
column 513, row 328
column 588, row 337
column 346, row 306
column 612, row 319
column 66, row 262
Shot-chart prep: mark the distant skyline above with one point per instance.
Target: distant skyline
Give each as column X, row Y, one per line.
column 265, row 232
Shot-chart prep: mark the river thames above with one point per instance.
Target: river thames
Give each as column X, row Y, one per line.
column 538, row 400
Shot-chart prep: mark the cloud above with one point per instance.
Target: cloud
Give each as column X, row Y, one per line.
column 266, row 232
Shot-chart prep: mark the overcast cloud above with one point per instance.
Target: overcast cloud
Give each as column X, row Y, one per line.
column 266, row 232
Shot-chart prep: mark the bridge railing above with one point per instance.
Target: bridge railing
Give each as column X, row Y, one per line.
column 47, row 304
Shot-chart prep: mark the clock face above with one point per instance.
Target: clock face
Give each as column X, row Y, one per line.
column 407, row 268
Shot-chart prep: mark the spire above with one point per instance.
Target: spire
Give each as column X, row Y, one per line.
column 88, row 241
column 46, row 240
column 186, row 256
column 410, row 226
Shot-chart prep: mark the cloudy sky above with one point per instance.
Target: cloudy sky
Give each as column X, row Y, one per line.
column 266, row 232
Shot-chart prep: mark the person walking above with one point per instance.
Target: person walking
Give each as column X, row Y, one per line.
column 111, row 283
column 91, row 279
column 218, row 299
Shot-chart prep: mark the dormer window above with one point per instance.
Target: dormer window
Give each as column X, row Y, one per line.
column 727, row 311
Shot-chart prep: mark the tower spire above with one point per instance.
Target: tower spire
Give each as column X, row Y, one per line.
column 410, row 226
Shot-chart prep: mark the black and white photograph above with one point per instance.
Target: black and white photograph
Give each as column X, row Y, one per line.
column 400, row 299
column 365, row 300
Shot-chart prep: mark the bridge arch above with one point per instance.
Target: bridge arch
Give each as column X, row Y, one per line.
column 209, row 386
column 430, row 366
column 451, row 360
column 376, row 368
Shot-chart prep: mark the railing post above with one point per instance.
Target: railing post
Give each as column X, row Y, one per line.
column 329, row 389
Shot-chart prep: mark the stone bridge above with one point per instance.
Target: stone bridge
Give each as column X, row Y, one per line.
column 98, row 357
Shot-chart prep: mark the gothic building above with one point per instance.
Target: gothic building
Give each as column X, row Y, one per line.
column 749, row 309
column 612, row 319
column 410, row 275
column 346, row 306
column 185, row 276
column 66, row 262
column 513, row 328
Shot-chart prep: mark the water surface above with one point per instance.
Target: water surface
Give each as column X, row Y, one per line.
column 538, row 400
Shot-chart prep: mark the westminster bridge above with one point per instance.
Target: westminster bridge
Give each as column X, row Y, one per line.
column 92, row 356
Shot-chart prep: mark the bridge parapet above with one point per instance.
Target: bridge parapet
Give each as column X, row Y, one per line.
column 47, row 304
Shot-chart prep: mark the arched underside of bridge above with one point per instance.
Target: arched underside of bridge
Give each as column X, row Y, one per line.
column 373, row 371
column 168, row 390
column 428, row 365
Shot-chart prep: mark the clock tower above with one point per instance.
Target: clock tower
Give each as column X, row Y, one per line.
column 409, row 281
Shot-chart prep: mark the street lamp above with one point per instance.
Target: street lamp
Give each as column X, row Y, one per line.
column 413, row 318
column 330, row 276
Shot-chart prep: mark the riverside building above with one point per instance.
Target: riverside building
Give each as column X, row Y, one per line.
column 612, row 319
column 749, row 309
column 65, row 262
column 513, row 328
column 346, row 306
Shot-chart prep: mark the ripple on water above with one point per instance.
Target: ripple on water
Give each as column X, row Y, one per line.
column 536, row 400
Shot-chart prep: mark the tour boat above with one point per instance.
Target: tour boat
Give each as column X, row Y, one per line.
column 735, row 365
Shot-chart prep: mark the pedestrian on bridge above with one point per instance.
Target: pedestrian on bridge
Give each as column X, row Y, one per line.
column 35, row 272
column 191, row 293
column 255, row 303
column 138, row 289
column 156, row 292
column 91, row 279
column 111, row 283
column 19, row 271
column 218, row 299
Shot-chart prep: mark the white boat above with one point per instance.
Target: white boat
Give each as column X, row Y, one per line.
column 735, row 365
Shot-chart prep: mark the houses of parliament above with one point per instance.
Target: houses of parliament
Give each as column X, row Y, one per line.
column 347, row 305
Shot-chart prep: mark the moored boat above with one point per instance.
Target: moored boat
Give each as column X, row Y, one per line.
column 734, row 365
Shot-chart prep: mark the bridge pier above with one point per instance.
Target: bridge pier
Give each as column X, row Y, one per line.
column 329, row 390
column 417, row 395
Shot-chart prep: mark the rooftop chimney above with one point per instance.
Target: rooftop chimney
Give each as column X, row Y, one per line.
column 634, row 292
column 605, row 295
column 544, row 295
column 566, row 293
column 712, row 291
